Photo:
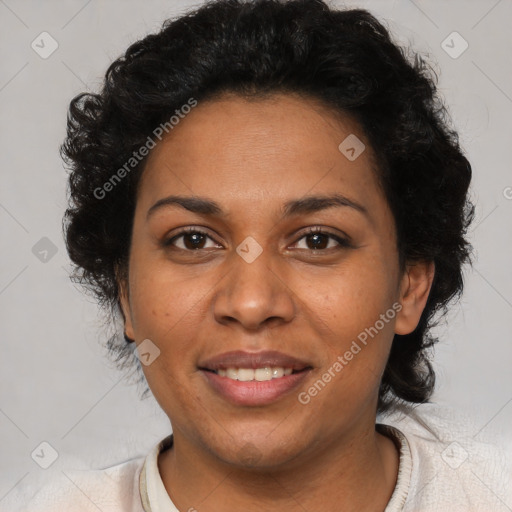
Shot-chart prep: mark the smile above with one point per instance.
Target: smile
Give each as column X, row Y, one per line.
column 275, row 383
column 250, row 374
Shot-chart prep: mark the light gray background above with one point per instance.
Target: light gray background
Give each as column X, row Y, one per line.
column 55, row 383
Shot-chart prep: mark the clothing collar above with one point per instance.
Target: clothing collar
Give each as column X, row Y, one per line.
column 155, row 498
column 153, row 494
column 403, row 482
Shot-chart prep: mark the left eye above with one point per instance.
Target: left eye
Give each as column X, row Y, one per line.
column 321, row 239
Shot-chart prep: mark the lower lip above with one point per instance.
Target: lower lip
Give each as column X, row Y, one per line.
column 254, row 392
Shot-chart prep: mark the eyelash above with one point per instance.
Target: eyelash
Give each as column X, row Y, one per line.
column 344, row 243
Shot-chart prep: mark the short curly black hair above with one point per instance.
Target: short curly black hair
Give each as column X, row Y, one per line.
column 344, row 58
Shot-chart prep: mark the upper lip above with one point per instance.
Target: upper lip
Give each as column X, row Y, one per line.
column 242, row 359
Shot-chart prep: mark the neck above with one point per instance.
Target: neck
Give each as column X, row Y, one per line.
column 356, row 472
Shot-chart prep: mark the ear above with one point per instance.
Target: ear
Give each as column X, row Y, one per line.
column 414, row 290
column 124, row 299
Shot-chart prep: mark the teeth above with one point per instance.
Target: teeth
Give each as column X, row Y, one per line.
column 245, row 374
column 277, row 372
column 232, row 373
column 259, row 374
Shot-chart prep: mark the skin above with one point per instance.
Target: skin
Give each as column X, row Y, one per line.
column 251, row 157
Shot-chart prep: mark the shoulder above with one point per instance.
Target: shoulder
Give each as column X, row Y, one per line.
column 112, row 489
column 457, row 460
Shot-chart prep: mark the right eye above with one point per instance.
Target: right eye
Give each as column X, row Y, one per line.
column 192, row 239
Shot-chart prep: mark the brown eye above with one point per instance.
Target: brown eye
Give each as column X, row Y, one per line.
column 192, row 239
column 317, row 239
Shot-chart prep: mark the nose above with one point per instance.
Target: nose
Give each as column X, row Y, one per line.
column 253, row 295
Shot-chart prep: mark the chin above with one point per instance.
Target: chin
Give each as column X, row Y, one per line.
column 259, row 451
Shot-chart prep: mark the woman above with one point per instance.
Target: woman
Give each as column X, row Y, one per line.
column 269, row 195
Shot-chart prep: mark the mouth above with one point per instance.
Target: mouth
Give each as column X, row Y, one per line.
column 254, row 379
column 256, row 374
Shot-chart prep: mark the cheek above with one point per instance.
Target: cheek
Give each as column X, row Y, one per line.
column 175, row 392
column 352, row 298
column 168, row 310
column 163, row 298
column 170, row 307
column 356, row 310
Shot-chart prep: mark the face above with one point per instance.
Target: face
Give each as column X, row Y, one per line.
column 266, row 269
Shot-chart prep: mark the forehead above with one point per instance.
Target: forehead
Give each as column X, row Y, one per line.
column 248, row 152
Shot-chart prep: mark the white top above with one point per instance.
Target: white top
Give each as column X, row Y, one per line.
column 446, row 463
column 155, row 498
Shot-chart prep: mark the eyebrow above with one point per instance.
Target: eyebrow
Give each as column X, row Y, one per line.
column 305, row 205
